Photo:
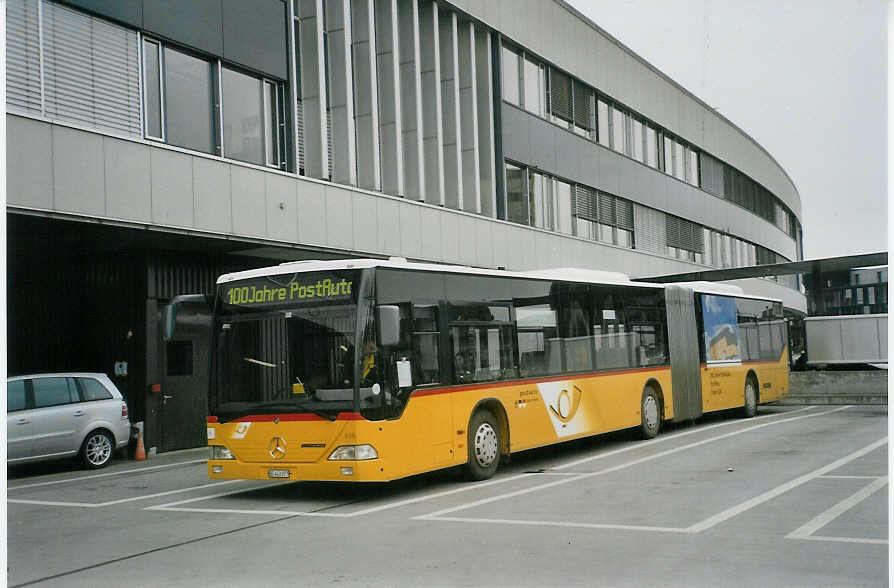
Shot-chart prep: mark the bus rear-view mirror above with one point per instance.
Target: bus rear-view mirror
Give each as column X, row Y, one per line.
column 201, row 302
column 388, row 319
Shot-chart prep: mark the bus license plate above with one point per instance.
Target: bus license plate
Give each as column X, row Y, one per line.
column 278, row 473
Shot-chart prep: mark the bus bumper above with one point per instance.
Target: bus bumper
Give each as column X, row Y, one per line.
column 372, row 470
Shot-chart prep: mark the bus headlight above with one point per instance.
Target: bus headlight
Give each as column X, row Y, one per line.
column 220, row 452
column 354, row 453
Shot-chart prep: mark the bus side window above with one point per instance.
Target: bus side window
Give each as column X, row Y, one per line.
column 425, row 344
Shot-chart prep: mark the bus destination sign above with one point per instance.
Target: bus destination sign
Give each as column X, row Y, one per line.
column 268, row 291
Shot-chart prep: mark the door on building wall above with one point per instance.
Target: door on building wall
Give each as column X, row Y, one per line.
column 183, row 400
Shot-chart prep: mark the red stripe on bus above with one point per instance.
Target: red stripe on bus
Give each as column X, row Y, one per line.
column 417, row 393
column 269, row 418
column 212, row 419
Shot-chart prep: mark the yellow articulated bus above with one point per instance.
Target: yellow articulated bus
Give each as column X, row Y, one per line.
column 373, row 370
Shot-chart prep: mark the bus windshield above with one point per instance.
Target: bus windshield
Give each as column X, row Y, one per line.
column 274, row 354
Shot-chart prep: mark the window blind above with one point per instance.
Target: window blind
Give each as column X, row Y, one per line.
column 582, row 100
column 23, row 55
column 585, row 203
column 91, row 70
column 684, row 234
column 560, row 94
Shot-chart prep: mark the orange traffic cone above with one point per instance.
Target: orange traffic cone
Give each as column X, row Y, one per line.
column 140, row 453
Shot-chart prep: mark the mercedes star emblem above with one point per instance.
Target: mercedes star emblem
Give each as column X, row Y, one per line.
column 277, row 448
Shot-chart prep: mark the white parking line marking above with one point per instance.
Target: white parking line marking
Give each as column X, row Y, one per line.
column 846, row 540
column 622, row 466
column 693, row 431
column 563, row 524
column 833, row 477
column 292, row 513
column 120, row 501
column 469, row 487
column 105, row 475
column 169, row 505
column 824, row 518
column 749, row 504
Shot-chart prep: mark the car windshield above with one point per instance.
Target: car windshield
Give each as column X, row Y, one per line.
column 282, row 358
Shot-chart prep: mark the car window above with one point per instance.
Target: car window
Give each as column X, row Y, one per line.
column 91, row 389
column 53, row 391
column 15, row 395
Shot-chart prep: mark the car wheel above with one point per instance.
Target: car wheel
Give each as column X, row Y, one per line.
column 750, row 405
column 484, row 446
column 96, row 452
column 650, row 410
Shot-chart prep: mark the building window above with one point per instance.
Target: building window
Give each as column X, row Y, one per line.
column 511, row 91
column 188, row 100
column 619, row 130
column 651, row 147
column 152, row 82
column 563, row 207
column 560, row 96
column 603, row 124
column 541, row 201
column 535, row 87
column 637, row 147
column 516, row 195
column 244, row 116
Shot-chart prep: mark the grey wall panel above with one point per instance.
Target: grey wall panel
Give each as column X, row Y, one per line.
column 29, row 180
column 366, row 229
column 467, row 248
column 127, row 180
column 449, row 236
column 311, row 212
column 249, row 198
column 430, row 224
column 499, row 238
column 254, row 34
column 213, row 205
column 78, row 172
column 516, row 136
column 484, row 243
column 282, row 206
column 339, row 218
column 172, row 188
column 568, row 159
column 388, row 219
column 126, row 11
column 543, row 143
column 195, row 24
column 410, row 231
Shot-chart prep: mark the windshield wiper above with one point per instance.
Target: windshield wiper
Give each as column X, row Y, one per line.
column 296, row 404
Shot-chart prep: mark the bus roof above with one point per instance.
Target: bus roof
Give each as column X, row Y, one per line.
column 565, row 274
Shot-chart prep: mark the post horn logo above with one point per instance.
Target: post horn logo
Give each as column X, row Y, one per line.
column 567, row 404
column 277, row 448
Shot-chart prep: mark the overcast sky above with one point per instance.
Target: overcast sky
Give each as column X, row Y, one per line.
column 807, row 79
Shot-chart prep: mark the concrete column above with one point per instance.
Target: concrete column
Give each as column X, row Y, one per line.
column 341, row 91
column 313, row 88
column 430, row 75
column 453, row 180
column 468, row 104
column 485, row 93
column 411, row 103
column 366, row 95
column 389, row 97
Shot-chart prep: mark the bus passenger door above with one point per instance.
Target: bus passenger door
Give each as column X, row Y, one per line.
column 682, row 331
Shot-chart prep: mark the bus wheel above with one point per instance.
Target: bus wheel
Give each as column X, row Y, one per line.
column 651, row 413
column 750, row 406
column 484, row 446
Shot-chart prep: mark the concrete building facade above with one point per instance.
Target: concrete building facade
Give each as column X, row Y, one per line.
column 155, row 143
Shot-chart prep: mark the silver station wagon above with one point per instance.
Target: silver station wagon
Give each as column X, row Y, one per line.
column 54, row 416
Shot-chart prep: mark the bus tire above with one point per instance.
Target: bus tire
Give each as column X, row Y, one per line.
column 749, row 407
column 484, row 446
column 650, row 411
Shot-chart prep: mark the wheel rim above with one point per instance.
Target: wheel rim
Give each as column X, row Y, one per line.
column 750, row 399
column 650, row 411
column 485, row 445
column 98, row 449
